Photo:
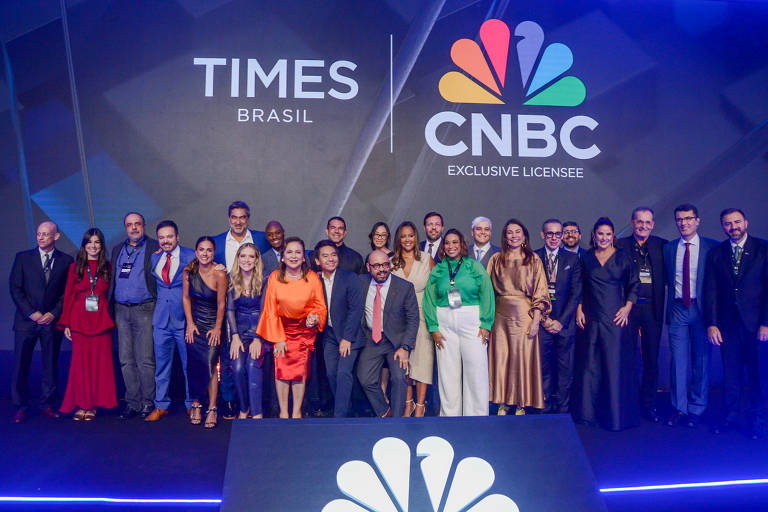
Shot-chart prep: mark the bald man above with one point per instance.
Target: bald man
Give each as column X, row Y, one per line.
column 37, row 282
column 271, row 257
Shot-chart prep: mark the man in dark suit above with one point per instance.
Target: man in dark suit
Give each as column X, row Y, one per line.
column 339, row 343
column 647, row 316
column 389, row 326
column 168, row 320
column 227, row 244
column 132, row 295
column 736, row 315
column 271, row 257
column 482, row 249
column 433, row 229
column 38, row 278
column 572, row 238
column 685, row 266
column 557, row 332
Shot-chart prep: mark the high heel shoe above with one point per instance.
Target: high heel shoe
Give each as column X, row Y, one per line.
column 195, row 414
column 419, row 413
column 503, row 410
column 409, row 408
column 210, row 423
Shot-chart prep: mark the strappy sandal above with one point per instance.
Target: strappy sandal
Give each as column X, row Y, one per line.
column 423, row 409
column 409, row 408
column 195, row 416
column 79, row 415
column 208, row 422
column 89, row 415
column 503, row 410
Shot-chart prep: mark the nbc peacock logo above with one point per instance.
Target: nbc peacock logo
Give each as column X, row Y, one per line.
column 541, row 73
column 392, row 456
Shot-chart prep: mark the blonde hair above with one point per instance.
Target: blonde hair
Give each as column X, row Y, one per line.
column 236, row 275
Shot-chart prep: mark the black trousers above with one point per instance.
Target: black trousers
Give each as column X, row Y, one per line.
column 740, row 350
column 556, row 370
column 646, row 330
column 24, row 347
column 372, row 358
column 318, row 396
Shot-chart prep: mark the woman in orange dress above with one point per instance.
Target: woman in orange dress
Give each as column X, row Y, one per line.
column 294, row 310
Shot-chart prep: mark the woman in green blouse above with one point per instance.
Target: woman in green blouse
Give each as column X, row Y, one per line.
column 459, row 310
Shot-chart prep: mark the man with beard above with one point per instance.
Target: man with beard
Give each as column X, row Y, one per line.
column 736, row 315
column 433, row 228
column 132, row 294
column 572, row 238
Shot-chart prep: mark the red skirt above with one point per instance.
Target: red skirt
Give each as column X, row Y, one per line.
column 299, row 342
column 91, row 381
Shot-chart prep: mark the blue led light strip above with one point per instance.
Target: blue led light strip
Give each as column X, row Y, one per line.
column 722, row 483
column 35, row 499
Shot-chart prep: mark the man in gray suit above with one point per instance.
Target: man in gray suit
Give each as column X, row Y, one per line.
column 684, row 263
column 389, row 326
column 482, row 249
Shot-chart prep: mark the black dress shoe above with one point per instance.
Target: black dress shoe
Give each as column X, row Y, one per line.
column 147, row 410
column 50, row 412
column 20, row 416
column 678, row 418
column 128, row 413
column 692, row 421
column 651, row 415
column 229, row 410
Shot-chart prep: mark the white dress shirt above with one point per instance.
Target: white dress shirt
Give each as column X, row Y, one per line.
column 693, row 252
column 740, row 244
column 232, row 245
column 174, row 263
column 328, row 283
column 42, row 256
column 371, row 296
column 435, row 247
column 480, row 251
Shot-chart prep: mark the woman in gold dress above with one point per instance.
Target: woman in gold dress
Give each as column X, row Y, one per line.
column 522, row 300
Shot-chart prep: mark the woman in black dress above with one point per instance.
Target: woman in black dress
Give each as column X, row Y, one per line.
column 605, row 384
column 205, row 300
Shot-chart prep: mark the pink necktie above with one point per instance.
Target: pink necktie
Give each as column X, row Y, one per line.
column 376, row 328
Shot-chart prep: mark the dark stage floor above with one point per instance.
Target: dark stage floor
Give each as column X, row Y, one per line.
column 171, row 459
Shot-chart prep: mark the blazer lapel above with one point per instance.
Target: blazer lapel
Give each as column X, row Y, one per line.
column 747, row 258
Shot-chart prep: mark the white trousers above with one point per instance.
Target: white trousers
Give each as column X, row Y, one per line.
column 462, row 363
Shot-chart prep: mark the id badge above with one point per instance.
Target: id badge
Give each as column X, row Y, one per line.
column 645, row 276
column 91, row 302
column 552, row 293
column 125, row 270
column 454, row 298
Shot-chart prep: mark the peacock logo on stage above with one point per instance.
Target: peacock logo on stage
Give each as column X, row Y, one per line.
column 481, row 81
column 392, row 456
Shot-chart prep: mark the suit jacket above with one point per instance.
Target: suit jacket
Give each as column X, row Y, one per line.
column 423, row 247
column 401, row 312
column 567, row 288
column 349, row 260
column 346, row 307
column 150, row 246
column 29, row 291
column 670, row 258
column 259, row 240
column 656, row 255
column 726, row 297
column 270, row 262
column 169, row 309
column 493, row 249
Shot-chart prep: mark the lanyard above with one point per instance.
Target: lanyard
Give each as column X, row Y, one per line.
column 93, row 280
column 451, row 273
column 134, row 248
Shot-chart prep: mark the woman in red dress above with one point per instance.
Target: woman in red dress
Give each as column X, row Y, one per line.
column 86, row 322
column 294, row 310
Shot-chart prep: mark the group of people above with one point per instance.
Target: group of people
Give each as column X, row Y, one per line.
column 261, row 321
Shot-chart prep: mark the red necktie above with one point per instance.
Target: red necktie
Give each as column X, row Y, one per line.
column 167, row 269
column 687, row 276
column 376, row 328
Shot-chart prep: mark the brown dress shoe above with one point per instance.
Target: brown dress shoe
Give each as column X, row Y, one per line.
column 156, row 415
column 20, row 416
column 50, row 412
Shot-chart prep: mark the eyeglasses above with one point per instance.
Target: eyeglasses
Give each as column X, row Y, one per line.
column 571, row 232
column 553, row 234
column 379, row 266
column 685, row 220
column 379, row 235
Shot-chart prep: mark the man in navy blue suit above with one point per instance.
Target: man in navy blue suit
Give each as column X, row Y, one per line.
column 433, row 229
column 685, row 261
column 168, row 321
column 340, row 341
column 572, row 238
column 276, row 238
column 227, row 244
column 557, row 332
column 38, row 278
column 736, row 315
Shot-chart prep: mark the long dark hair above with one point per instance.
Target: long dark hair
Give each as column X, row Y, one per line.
column 462, row 240
column 602, row 221
column 304, row 265
column 397, row 255
column 525, row 248
column 373, row 232
column 194, row 265
column 82, row 256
